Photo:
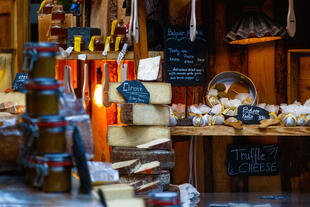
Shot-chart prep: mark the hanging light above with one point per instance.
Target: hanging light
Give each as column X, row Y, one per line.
column 98, row 89
column 254, row 26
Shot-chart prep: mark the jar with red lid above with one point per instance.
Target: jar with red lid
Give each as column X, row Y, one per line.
column 40, row 59
column 47, row 9
column 52, row 134
column 42, row 97
column 58, row 13
column 53, row 172
column 164, row 199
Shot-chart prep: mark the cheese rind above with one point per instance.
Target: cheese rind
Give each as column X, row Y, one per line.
column 160, row 93
column 145, row 114
column 149, row 168
column 127, row 167
column 134, row 202
column 116, row 191
column 161, row 143
column 131, row 136
column 149, row 187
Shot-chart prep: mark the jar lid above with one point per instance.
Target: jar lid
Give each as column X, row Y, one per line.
column 165, row 199
column 56, row 159
column 46, row 49
column 52, row 121
column 43, row 84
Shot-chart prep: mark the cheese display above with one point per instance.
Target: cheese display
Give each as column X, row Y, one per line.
column 131, row 136
column 149, row 168
column 160, row 93
column 161, row 143
column 127, row 167
column 165, row 157
column 134, row 202
column 145, row 114
column 115, row 191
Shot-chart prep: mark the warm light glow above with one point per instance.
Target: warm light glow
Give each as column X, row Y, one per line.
column 98, row 95
column 253, row 40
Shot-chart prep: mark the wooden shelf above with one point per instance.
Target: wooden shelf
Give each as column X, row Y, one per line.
column 249, row 130
column 97, row 55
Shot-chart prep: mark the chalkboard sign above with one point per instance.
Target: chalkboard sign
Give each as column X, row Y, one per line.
column 251, row 114
column 253, row 160
column 134, row 92
column 19, row 81
column 185, row 60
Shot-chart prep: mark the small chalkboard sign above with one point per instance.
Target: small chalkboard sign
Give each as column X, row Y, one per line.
column 185, row 60
column 19, row 81
column 253, row 160
column 251, row 114
column 134, row 92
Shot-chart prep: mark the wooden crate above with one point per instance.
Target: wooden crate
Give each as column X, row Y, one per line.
column 298, row 75
column 45, row 23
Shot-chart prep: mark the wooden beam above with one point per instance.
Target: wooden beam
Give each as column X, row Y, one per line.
column 141, row 48
column 99, row 16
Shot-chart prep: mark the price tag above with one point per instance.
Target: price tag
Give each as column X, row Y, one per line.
column 134, row 92
column 251, row 114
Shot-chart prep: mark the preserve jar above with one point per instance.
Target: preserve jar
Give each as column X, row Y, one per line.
column 47, row 9
column 120, row 28
column 58, row 13
column 99, row 43
column 112, row 43
column 57, row 29
column 52, row 134
column 29, row 164
column 40, row 59
column 167, row 199
column 60, row 42
column 53, row 172
column 42, row 97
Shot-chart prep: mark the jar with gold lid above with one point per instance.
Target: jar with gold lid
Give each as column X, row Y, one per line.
column 52, row 134
column 58, row 13
column 47, row 9
column 120, row 28
column 53, row 172
column 42, row 97
column 39, row 59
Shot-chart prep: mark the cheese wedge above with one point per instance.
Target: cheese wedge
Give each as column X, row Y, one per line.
column 149, row 168
column 145, row 114
column 127, row 167
column 131, row 136
column 148, row 187
column 16, row 97
column 134, row 202
column 160, row 93
column 115, row 191
column 161, row 143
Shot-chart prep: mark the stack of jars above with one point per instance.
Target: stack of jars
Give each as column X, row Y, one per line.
column 117, row 39
column 58, row 30
column 48, row 166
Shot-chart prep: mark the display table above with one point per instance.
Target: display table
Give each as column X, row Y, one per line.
column 14, row 193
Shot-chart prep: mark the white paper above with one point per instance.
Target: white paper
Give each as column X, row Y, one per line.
column 149, row 69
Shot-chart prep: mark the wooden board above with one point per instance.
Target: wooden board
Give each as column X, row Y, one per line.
column 99, row 16
column 125, row 136
column 160, row 93
column 6, row 24
column 249, row 130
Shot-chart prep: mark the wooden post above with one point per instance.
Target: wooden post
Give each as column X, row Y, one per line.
column 141, row 49
column 99, row 16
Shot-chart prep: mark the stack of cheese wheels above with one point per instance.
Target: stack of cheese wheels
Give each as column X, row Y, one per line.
column 142, row 149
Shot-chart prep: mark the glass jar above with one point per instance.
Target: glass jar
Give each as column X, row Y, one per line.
column 99, row 43
column 112, row 43
column 53, row 172
column 52, row 134
column 120, row 28
column 29, row 164
column 42, row 97
column 165, row 199
column 61, row 42
column 47, row 9
column 39, row 59
column 58, row 13
column 78, row 43
column 57, row 29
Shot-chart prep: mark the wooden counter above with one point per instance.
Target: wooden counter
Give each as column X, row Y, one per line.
column 249, row 130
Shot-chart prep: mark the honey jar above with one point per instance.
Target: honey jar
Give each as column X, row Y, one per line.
column 40, row 59
column 120, row 28
column 53, row 172
column 60, row 42
column 57, row 29
column 52, row 134
column 112, row 43
column 47, row 9
column 58, row 13
column 98, row 43
column 42, row 97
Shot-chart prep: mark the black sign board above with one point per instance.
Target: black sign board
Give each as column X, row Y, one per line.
column 253, row 160
column 251, row 114
column 134, row 92
column 185, row 60
column 19, row 81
